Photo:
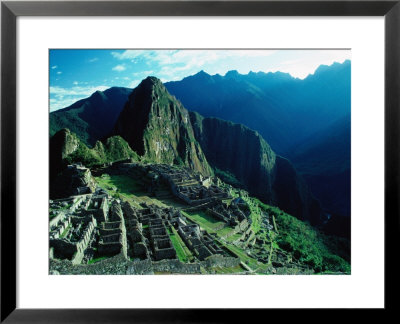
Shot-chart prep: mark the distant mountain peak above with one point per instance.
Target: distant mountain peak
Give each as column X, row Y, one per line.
column 98, row 95
column 202, row 74
column 335, row 65
column 232, row 74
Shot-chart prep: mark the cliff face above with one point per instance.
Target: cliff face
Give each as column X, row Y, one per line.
column 244, row 153
column 62, row 144
column 158, row 128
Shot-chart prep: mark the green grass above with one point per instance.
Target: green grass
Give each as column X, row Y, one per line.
column 252, row 263
column 225, row 232
column 255, row 213
column 132, row 191
column 66, row 230
column 234, row 237
column 123, row 183
column 307, row 244
column 127, row 188
column 205, row 221
column 97, row 260
column 181, row 249
column 230, row 270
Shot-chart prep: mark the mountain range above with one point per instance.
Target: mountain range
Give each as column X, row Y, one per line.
column 286, row 140
column 306, row 121
column 160, row 130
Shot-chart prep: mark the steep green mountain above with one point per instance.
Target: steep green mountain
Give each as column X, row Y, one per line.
column 93, row 118
column 158, row 128
column 66, row 148
column 242, row 152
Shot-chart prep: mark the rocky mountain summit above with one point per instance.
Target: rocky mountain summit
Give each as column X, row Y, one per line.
column 158, row 128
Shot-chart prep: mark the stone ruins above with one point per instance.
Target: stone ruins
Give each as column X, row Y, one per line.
column 91, row 227
column 92, row 230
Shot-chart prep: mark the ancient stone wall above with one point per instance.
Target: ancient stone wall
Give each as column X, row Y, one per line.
column 62, row 248
column 220, row 261
column 143, row 267
column 117, row 265
column 109, row 249
column 175, row 266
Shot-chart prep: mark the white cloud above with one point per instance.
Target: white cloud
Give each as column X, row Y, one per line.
column 306, row 62
column 119, row 68
column 143, row 73
column 93, row 60
column 75, row 83
column 134, row 83
column 64, row 97
column 54, row 67
column 131, row 54
column 176, row 64
column 59, row 72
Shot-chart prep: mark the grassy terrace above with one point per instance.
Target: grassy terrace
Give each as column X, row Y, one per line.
column 252, row 263
column 131, row 190
column 234, row 237
column 126, row 187
column 205, row 221
column 181, row 249
column 208, row 223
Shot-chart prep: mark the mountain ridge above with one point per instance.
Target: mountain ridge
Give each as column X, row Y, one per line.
column 92, row 118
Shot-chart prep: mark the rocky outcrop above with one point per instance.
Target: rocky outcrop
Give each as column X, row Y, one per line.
column 158, row 128
column 74, row 180
column 66, row 148
column 62, row 144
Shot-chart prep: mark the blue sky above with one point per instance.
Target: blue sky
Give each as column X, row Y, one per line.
column 76, row 74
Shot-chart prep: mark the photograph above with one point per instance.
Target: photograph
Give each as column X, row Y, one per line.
column 199, row 161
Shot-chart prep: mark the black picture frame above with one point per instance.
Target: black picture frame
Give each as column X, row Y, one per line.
column 10, row 10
